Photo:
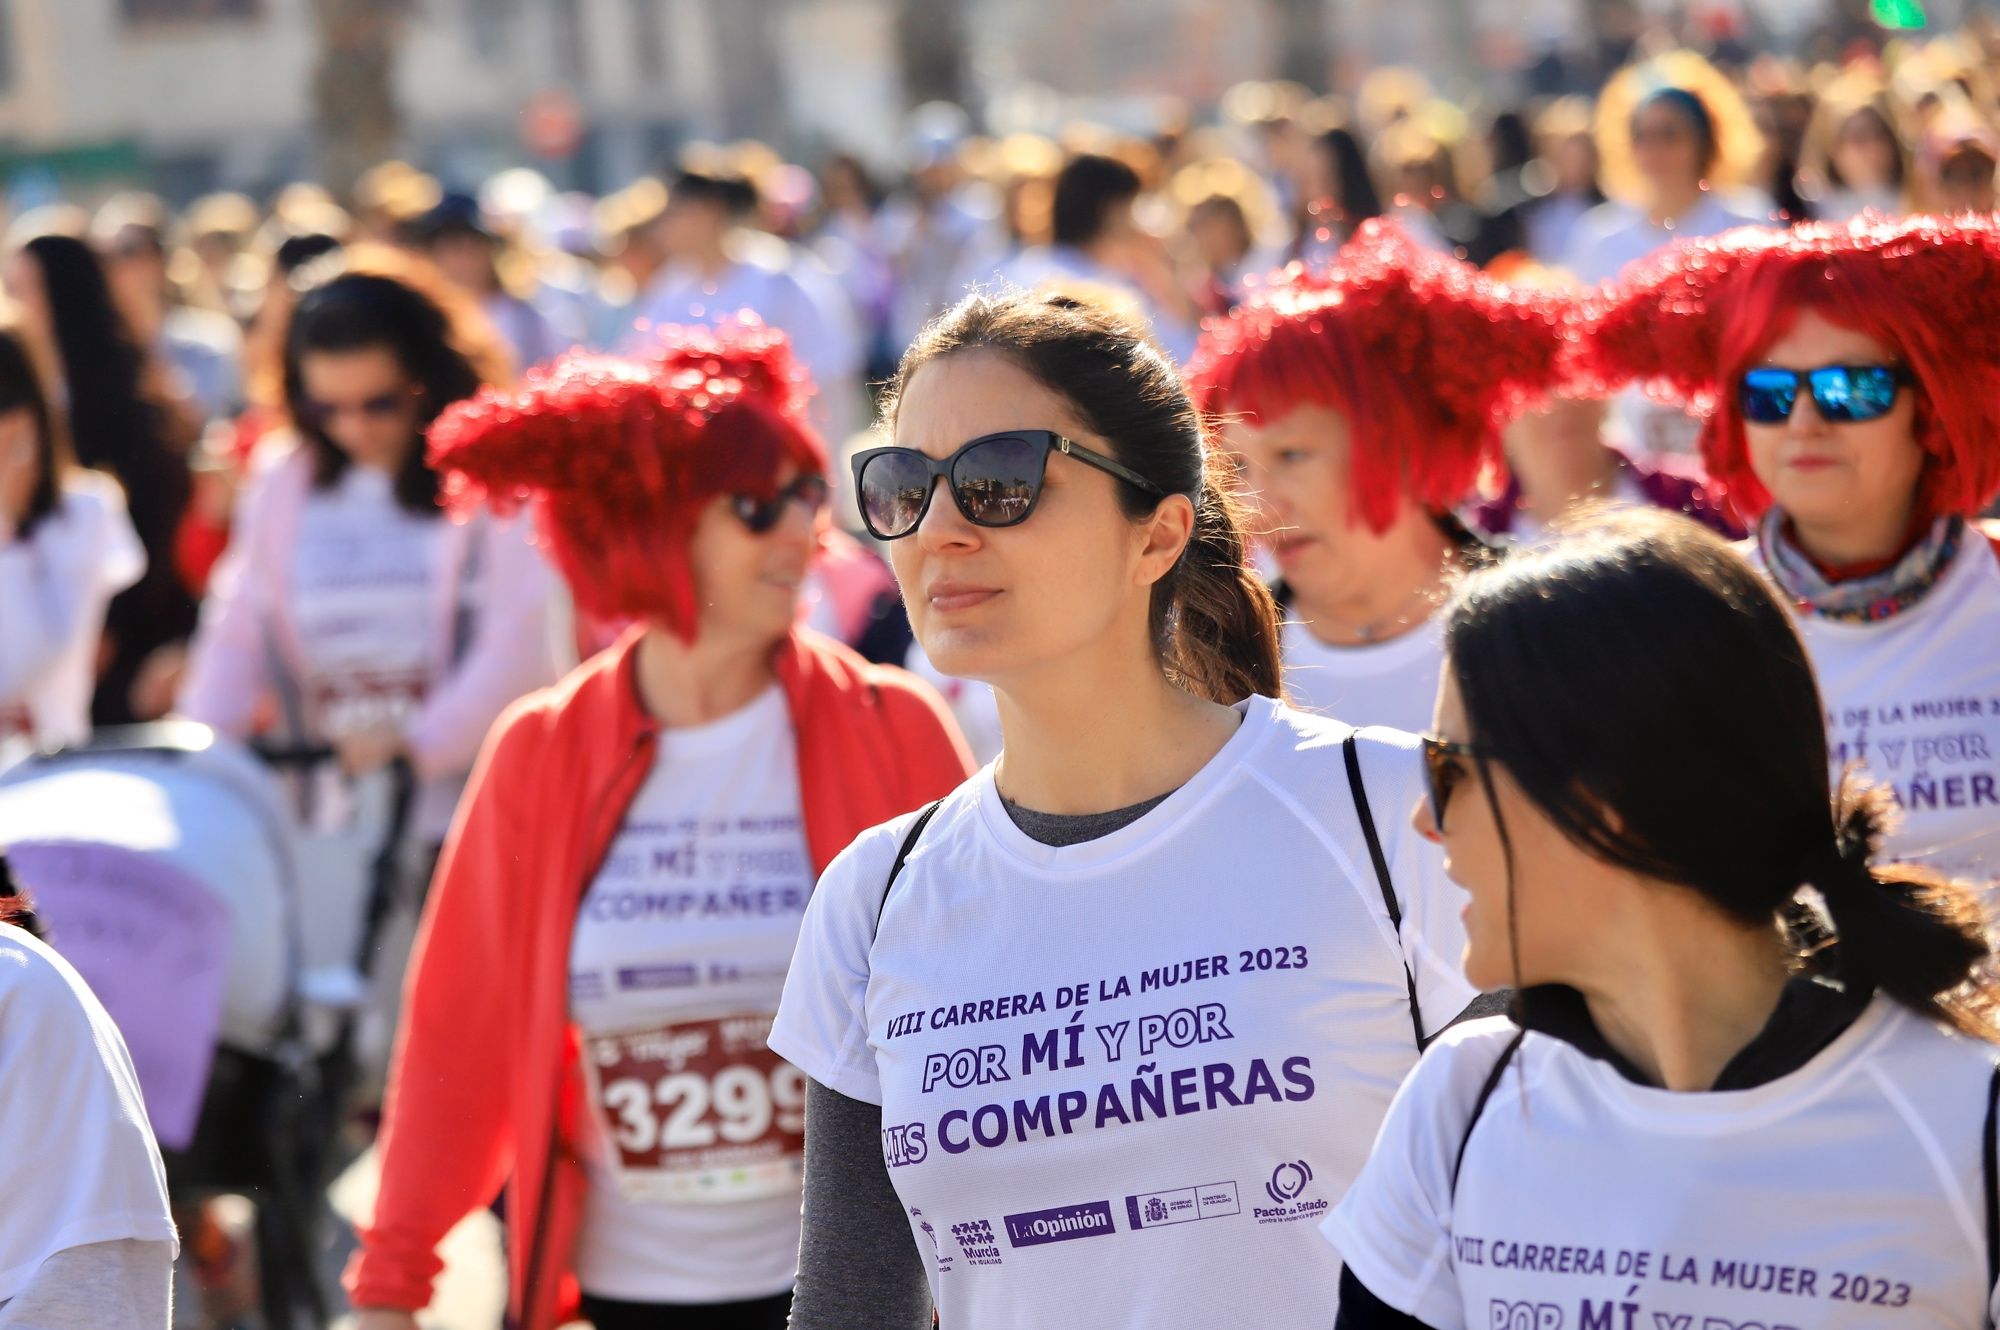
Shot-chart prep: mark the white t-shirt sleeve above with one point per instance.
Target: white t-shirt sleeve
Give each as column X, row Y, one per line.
column 1433, row 930
column 822, row 1024
column 1393, row 1228
column 67, row 1086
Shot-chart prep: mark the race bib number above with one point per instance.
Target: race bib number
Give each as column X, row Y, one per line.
column 700, row 1112
column 363, row 702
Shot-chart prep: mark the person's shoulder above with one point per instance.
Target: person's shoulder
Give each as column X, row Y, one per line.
column 1308, row 741
column 581, row 705
column 858, row 878
column 39, row 990
column 89, row 497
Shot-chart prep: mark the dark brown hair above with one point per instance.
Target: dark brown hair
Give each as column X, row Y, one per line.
column 355, row 311
column 21, row 390
column 1646, row 690
column 1214, row 623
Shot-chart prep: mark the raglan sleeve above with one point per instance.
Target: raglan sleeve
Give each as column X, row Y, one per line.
column 1393, row 1229
column 822, row 1023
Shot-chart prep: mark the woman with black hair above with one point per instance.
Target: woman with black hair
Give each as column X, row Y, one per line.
column 383, row 630
column 119, row 424
column 1097, row 1039
column 1338, row 195
column 66, row 548
column 1721, row 1100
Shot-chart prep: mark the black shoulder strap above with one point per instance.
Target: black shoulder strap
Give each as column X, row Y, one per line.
column 902, row 856
column 1991, row 1153
column 1479, row 1104
column 1381, row 861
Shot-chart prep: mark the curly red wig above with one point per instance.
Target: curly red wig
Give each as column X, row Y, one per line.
column 619, row 457
column 1688, row 323
column 1424, row 356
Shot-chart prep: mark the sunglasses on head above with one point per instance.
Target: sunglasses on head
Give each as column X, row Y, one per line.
column 379, row 407
column 995, row 480
column 1444, row 769
column 1842, row 394
column 761, row 515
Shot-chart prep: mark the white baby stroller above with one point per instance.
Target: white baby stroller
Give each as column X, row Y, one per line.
column 236, row 951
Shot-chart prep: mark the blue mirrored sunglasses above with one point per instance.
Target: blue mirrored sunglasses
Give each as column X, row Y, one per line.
column 1842, row 394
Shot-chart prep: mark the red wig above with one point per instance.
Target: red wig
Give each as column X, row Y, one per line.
column 1424, row 356
column 620, row 457
column 1688, row 323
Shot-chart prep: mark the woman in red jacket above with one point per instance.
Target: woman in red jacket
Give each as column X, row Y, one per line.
column 610, row 926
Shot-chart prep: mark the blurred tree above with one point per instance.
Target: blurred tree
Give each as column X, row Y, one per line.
column 354, row 93
column 930, row 38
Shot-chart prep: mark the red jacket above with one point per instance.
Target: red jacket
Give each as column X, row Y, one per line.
column 485, row 1088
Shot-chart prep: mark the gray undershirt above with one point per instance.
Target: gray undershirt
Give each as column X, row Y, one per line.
column 859, row 1268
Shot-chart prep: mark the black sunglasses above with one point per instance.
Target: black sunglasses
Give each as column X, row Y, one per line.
column 995, row 480
column 1842, row 394
column 761, row 515
column 1444, row 768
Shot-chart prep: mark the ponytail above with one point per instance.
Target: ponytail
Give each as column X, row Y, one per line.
column 1217, row 617
column 1905, row 930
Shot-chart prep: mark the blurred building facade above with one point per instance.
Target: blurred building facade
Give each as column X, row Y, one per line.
column 195, row 94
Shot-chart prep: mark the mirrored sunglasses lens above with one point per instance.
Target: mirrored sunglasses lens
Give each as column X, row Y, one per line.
column 1865, row 393
column 1767, row 396
column 893, row 487
column 996, row 483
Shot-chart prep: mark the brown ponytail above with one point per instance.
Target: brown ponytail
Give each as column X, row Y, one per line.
column 1214, row 624
column 1905, row 930
column 1217, row 620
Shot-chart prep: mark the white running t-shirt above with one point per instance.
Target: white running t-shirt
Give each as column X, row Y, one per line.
column 1845, row 1195
column 363, row 574
column 1916, row 700
column 1393, row 683
column 81, row 1166
column 694, row 1137
column 1122, row 1081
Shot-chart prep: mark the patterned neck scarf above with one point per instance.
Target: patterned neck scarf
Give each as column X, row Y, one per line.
column 1869, row 599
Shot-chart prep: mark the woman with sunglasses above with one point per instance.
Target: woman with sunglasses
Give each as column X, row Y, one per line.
column 608, row 932
column 381, row 629
column 1853, row 372
column 1355, row 473
column 1749, row 1079
column 1136, row 996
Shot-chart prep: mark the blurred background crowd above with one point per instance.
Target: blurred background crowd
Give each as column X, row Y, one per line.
column 158, row 312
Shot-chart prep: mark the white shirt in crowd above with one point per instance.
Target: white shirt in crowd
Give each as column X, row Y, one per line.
column 82, row 1167
column 350, row 608
column 790, row 290
column 676, row 965
column 1846, row 1194
column 1393, row 683
column 1613, row 235
column 361, row 591
column 1916, row 700
column 1122, row 1081
column 1067, row 266
column 55, row 583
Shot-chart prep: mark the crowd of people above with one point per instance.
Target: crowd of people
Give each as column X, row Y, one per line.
column 1503, row 623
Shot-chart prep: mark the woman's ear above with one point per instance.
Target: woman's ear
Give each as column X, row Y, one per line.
column 1166, row 533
